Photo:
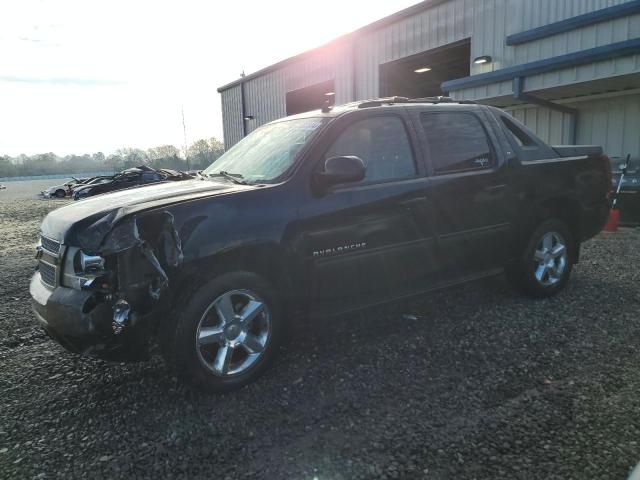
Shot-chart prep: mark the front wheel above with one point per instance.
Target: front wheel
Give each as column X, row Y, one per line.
column 544, row 266
column 228, row 333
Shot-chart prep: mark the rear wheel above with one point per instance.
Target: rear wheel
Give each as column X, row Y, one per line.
column 228, row 333
column 544, row 266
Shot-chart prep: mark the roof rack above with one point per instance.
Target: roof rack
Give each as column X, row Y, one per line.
column 377, row 102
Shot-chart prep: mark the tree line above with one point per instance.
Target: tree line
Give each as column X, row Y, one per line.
column 198, row 157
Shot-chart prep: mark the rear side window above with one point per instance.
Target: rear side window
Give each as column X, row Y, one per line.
column 457, row 142
column 382, row 144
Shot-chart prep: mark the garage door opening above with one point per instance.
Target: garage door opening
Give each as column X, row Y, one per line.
column 421, row 75
column 310, row 98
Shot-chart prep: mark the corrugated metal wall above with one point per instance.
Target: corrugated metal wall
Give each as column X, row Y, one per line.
column 609, row 121
column 265, row 96
column 612, row 123
column 443, row 24
column 495, row 19
column 264, row 99
column 232, row 115
column 486, row 22
column 533, row 14
column 550, row 125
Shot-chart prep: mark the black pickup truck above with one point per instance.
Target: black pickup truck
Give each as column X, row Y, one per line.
column 315, row 214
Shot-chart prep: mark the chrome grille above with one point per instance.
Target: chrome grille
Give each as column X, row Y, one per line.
column 50, row 245
column 48, row 273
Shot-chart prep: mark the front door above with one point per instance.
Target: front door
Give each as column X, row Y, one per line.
column 369, row 241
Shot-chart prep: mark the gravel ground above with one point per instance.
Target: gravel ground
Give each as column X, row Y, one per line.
column 483, row 384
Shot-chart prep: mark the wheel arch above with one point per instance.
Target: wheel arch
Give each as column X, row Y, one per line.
column 561, row 207
column 267, row 260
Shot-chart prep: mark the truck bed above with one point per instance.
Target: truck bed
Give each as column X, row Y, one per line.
column 577, row 150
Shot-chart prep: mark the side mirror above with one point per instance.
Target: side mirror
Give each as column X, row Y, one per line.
column 340, row 170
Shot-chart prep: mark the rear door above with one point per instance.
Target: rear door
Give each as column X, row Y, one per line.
column 469, row 190
column 368, row 241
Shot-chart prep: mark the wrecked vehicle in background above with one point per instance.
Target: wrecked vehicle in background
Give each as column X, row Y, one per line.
column 320, row 213
column 131, row 177
column 63, row 190
column 91, row 181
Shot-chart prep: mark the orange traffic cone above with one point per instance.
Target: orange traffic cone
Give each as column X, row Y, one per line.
column 614, row 213
column 612, row 223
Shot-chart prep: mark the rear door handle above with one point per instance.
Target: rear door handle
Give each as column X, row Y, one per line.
column 413, row 201
column 494, row 188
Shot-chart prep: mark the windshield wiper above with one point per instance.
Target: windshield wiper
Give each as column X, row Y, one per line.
column 234, row 177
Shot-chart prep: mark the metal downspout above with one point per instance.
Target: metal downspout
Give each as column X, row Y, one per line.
column 354, row 69
column 243, row 107
column 518, row 93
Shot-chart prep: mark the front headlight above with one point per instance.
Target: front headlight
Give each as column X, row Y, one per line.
column 80, row 268
column 90, row 263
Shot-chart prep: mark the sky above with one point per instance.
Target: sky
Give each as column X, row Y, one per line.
column 81, row 76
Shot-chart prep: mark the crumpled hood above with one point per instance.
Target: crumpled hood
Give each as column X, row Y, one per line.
column 86, row 222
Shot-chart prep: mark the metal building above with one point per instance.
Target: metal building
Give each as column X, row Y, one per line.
column 569, row 69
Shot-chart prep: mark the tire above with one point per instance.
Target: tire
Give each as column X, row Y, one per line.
column 216, row 349
column 544, row 267
column 60, row 194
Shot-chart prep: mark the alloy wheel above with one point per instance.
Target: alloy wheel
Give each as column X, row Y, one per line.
column 550, row 259
column 233, row 332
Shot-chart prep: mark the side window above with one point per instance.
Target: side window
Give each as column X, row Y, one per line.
column 382, row 144
column 457, row 142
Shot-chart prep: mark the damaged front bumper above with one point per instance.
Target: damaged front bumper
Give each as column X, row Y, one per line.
column 105, row 294
column 83, row 325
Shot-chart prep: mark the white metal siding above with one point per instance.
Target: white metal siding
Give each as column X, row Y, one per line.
column 265, row 96
column 611, row 122
column 494, row 90
column 232, row 115
column 497, row 19
column 589, row 37
column 550, row 125
column 500, row 18
column 486, row 22
column 443, row 24
column 264, row 99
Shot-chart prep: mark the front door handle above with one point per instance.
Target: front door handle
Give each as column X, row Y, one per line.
column 494, row 188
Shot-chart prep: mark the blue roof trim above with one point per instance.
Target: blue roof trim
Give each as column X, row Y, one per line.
column 572, row 23
column 605, row 52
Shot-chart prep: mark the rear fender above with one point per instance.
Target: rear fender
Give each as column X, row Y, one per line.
column 563, row 208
